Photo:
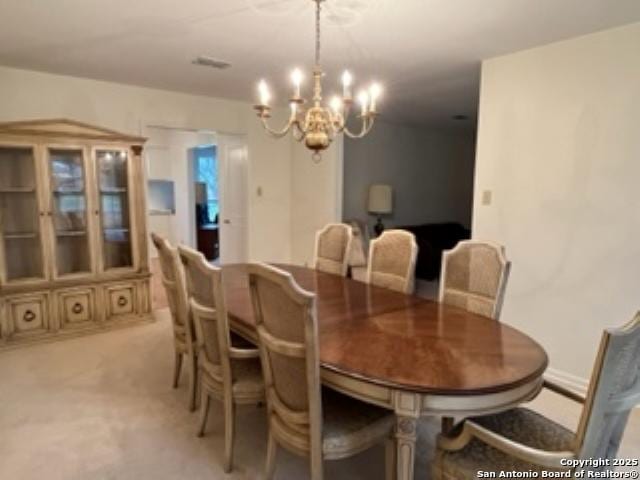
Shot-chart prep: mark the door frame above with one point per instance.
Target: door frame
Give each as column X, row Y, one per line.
column 233, row 139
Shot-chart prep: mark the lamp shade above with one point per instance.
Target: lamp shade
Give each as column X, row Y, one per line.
column 380, row 199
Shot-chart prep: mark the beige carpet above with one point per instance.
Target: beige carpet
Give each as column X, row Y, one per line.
column 101, row 407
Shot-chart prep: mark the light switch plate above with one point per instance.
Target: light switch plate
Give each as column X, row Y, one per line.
column 487, row 197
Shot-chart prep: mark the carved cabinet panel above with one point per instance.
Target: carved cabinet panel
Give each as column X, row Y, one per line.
column 76, row 307
column 121, row 300
column 28, row 315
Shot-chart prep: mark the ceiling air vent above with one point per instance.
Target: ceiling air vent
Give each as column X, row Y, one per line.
column 211, row 62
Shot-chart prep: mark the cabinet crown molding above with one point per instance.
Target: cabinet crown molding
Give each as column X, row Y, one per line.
column 62, row 127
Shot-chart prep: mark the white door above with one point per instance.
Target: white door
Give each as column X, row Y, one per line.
column 233, row 197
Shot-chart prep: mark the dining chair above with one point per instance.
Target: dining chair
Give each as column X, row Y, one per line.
column 333, row 244
column 316, row 423
column 522, row 440
column 392, row 261
column 227, row 373
column 474, row 276
column 183, row 334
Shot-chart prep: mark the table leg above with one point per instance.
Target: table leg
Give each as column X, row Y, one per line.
column 407, row 408
column 406, row 447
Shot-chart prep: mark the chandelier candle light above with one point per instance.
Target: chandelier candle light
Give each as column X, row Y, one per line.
column 318, row 125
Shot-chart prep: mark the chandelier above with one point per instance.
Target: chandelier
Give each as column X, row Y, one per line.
column 318, row 124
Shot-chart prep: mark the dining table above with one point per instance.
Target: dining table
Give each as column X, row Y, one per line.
column 411, row 355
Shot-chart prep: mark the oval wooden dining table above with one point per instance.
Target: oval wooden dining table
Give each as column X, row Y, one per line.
column 402, row 352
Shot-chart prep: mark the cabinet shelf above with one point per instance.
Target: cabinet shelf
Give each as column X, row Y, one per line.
column 112, row 190
column 18, row 190
column 69, row 192
column 71, row 233
column 20, row 235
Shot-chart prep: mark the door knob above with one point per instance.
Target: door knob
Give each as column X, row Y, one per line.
column 227, row 222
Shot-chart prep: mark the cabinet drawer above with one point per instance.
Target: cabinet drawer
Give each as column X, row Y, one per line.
column 76, row 307
column 121, row 300
column 28, row 315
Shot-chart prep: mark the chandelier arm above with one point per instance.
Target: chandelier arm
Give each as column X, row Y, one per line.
column 297, row 132
column 337, row 124
column 367, row 125
column 276, row 133
column 303, row 125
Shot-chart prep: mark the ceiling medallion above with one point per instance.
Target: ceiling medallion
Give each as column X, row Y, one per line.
column 318, row 125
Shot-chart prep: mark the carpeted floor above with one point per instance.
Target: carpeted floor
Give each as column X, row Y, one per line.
column 101, row 407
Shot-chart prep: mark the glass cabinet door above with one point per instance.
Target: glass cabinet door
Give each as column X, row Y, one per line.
column 114, row 208
column 19, row 214
column 69, row 205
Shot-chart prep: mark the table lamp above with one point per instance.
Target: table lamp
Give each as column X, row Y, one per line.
column 380, row 203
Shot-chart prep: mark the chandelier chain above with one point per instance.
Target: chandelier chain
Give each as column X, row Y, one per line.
column 318, row 32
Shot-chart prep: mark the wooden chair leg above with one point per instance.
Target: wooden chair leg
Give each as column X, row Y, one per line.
column 229, row 433
column 317, row 467
column 390, row 458
column 204, row 412
column 176, row 369
column 272, row 448
column 193, row 380
column 198, row 384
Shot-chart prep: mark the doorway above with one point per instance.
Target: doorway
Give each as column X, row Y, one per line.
column 186, row 159
column 220, row 198
column 206, row 200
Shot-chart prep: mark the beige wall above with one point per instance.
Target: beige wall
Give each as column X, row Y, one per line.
column 26, row 95
column 316, row 197
column 559, row 147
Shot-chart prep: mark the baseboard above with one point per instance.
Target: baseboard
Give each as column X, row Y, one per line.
column 572, row 382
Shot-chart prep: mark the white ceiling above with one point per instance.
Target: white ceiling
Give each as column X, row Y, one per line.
column 426, row 53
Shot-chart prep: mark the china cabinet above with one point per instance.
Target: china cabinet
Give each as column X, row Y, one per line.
column 73, row 251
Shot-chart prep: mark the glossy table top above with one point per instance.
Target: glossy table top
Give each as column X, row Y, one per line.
column 403, row 341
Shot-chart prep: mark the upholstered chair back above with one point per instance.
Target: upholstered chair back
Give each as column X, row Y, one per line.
column 614, row 390
column 206, row 301
column 173, row 282
column 474, row 277
column 392, row 261
column 288, row 332
column 333, row 244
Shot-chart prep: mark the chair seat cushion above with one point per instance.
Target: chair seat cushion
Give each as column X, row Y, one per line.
column 247, row 374
column 351, row 426
column 520, row 425
column 248, row 380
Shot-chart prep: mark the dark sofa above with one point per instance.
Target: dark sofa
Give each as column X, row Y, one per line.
column 432, row 239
